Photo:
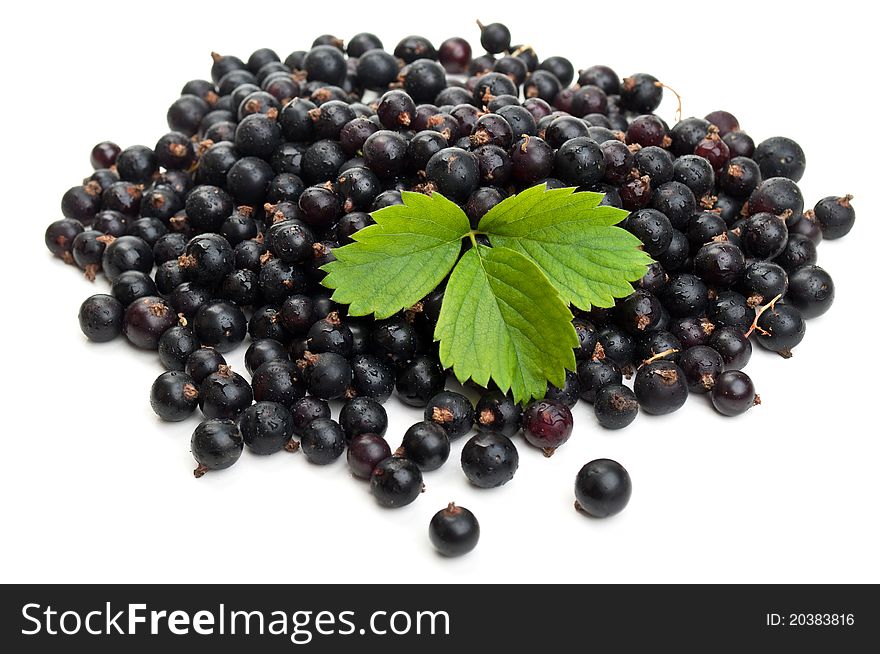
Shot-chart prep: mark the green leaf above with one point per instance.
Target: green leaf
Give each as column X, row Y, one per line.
column 399, row 260
column 573, row 240
column 501, row 318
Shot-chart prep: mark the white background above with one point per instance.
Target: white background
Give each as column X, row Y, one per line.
column 93, row 488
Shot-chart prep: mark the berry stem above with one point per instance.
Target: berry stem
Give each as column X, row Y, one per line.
column 758, row 315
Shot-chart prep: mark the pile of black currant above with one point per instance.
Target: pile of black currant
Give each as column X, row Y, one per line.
column 220, row 231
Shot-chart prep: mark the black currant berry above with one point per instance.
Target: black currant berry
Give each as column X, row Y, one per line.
column 780, row 157
column 101, row 318
column 721, row 264
column 278, row 381
column 363, row 415
column 220, row 325
column 419, row 381
column 224, row 394
column 328, row 375
column 174, row 396
column 176, row 345
column 701, row 366
column 266, row 427
column 615, row 406
column 322, row 441
column 835, row 215
column 733, row 346
column 489, row 460
column 660, row 387
column 454, row 530
column 780, row 328
column 602, row 488
column 734, row 393
column 146, row 319
column 365, row 452
column 811, row 290
column 452, row 411
column 426, row 444
column 216, row 444
column 497, row 412
column 396, row 482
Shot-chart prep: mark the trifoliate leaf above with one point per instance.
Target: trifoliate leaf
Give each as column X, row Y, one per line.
column 502, row 319
column 399, row 260
column 573, row 240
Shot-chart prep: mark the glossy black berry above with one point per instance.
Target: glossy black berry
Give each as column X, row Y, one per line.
column 617, row 346
column 263, row 351
column 365, row 452
column 615, row 406
column 685, row 295
column 731, row 309
column 835, row 215
column 780, row 157
column 220, row 325
column 764, row 235
column 60, row 236
column 326, row 64
column 394, row 341
column 580, row 162
column 733, row 346
column 330, row 334
column 532, row 160
column 216, row 444
column 203, row 362
column 652, row 228
column 104, row 154
column 489, row 460
column 701, row 366
column 454, row 172
column 207, row 207
column 721, row 263
column 322, row 441
column 638, row 313
column 807, row 226
column 494, row 37
column 328, row 375
column 132, row 285
column 363, row 415
column 100, row 318
column 676, row 201
column 779, row 196
column 780, row 328
column 176, row 345
column 451, row 411
column 497, row 412
column 174, row 396
column 396, row 482
column 692, row 330
column 126, row 253
column 602, row 488
column 734, row 393
column 659, row 344
column 811, row 290
column 423, row 80
column 376, row 69
column 694, row 172
column 419, row 381
column 762, row 281
column 454, row 531
column 799, row 251
column 426, row 444
column 740, row 177
column 224, row 394
column 547, row 425
column 641, row 93
column 371, row 378
column 137, row 164
column 146, row 319
column 660, row 387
